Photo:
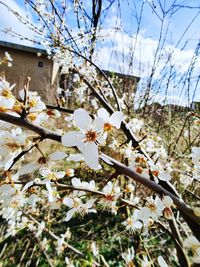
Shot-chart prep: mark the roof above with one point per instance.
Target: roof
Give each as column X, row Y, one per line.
column 22, row 47
column 121, row 75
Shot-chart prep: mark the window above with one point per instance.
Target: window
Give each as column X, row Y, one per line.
column 40, row 64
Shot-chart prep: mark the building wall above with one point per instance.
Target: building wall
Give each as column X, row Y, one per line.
column 39, row 69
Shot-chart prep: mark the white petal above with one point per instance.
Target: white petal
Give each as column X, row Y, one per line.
column 91, row 156
column 7, row 102
column 92, row 210
column 167, row 201
column 75, row 157
column 27, row 185
column 144, row 214
column 72, row 138
column 116, row 118
column 45, row 172
column 90, row 203
column 164, row 176
column 8, row 163
column 76, row 182
column 39, row 107
column 138, row 225
column 101, row 139
column 58, row 155
column 28, row 168
column 70, row 213
column 4, row 151
column 60, row 174
column 162, row 262
column 103, row 113
column 49, row 188
column 21, row 94
column 48, row 185
column 82, row 119
column 98, row 124
column 159, row 205
column 68, row 202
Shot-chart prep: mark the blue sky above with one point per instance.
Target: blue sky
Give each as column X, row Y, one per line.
column 114, row 52
column 179, row 22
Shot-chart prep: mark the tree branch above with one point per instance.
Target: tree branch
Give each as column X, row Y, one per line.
column 121, row 168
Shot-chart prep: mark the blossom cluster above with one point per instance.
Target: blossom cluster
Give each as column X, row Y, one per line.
column 27, row 186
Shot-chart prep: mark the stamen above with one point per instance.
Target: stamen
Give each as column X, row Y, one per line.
column 107, row 127
column 91, row 136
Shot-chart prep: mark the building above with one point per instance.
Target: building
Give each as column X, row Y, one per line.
column 124, row 84
column 32, row 62
column 45, row 76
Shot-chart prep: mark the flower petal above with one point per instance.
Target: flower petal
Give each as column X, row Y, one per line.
column 72, row 138
column 70, row 213
column 90, row 203
column 116, row 118
column 76, row 182
column 162, row 262
column 103, row 113
column 75, row 157
column 57, row 155
column 68, row 202
column 164, row 176
column 138, row 225
column 98, row 124
column 60, row 174
column 91, row 156
column 82, row 119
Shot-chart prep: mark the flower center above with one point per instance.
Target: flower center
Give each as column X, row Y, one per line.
column 152, row 207
column 76, row 203
column 17, row 108
column 109, row 198
column 32, row 103
column 69, row 172
column 14, row 203
column 6, row 93
column 52, row 176
column 32, row 116
column 139, row 170
column 168, row 213
column 155, row 173
column 91, row 136
column 130, row 221
column 107, row 127
column 3, row 109
column 13, row 145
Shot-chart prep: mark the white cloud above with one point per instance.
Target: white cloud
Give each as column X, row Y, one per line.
column 9, row 21
column 117, row 44
column 115, row 54
column 115, row 51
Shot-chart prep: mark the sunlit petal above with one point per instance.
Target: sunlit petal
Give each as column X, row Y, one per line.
column 68, row 202
column 82, row 119
column 98, row 124
column 90, row 152
column 70, row 213
column 72, row 138
column 103, row 113
column 57, row 155
column 116, row 118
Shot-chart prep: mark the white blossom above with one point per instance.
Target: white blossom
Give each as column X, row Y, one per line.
column 77, row 206
column 87, row 138
column 129, row 255
column 132, row 223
